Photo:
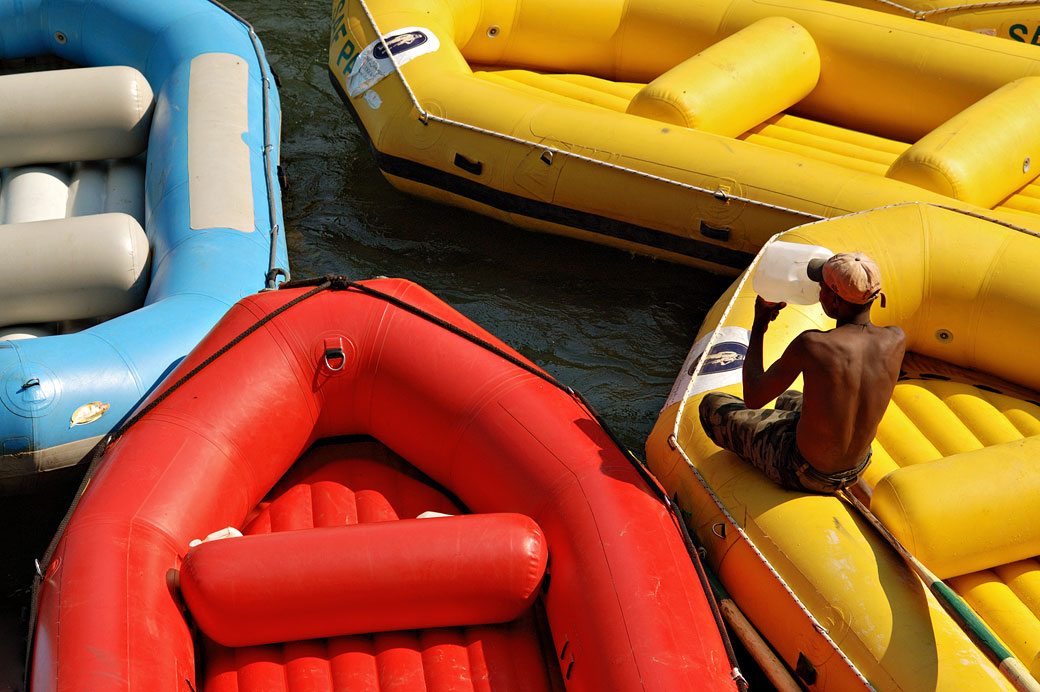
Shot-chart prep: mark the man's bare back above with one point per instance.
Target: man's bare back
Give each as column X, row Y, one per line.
column 849, row 374
column 817, row 439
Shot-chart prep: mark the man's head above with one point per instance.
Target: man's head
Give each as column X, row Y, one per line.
column 849, row 284
column 852, row 276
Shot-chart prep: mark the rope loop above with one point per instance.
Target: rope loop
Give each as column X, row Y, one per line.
column 272, row 277
column 339, row 282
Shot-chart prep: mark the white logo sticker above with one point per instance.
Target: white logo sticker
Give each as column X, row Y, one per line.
column 722, row 367
column 373, row 63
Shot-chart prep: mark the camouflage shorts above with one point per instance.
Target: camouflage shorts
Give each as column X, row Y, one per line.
column 765, row 438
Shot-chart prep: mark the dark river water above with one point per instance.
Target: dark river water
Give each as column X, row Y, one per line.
column 613, row 326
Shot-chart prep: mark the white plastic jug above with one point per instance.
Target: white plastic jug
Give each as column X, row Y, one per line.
column 781, row 277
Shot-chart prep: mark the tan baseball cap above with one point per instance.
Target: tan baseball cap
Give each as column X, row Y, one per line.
column 852, row 275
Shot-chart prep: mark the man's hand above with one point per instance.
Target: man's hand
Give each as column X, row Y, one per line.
column 761, row 386
column 766, row 312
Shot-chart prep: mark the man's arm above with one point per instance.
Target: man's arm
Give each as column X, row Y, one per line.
column 762, row 386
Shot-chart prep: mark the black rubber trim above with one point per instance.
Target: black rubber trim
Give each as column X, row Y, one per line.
column 544, row 211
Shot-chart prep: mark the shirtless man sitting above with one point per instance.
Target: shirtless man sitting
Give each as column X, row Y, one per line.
column 820, row 441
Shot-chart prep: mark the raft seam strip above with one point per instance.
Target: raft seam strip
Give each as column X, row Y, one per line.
column 273, row 271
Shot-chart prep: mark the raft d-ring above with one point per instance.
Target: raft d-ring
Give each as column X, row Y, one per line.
column 336, row 353
column 719, row 529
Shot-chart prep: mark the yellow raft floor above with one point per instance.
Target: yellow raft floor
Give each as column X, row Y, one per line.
column 939, row 410
column 856, row 151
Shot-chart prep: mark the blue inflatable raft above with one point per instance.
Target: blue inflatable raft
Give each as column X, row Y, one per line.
column 194, row 95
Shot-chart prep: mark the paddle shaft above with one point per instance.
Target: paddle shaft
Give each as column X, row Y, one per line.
column 958, row 609
column 764, row 656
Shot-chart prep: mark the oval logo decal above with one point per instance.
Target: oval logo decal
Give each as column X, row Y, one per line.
column 399, row 43
column 724, row 356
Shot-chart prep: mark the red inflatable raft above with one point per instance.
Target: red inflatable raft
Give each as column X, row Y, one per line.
column 558, row 566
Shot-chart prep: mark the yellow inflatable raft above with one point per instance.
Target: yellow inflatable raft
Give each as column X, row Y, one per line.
column 954, row 475
column 687, row 131
column 1018, row 20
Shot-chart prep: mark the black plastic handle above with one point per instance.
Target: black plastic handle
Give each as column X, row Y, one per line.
column 715, row 232
column 474, row 167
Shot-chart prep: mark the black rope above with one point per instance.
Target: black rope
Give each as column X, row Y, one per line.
column 342, row 283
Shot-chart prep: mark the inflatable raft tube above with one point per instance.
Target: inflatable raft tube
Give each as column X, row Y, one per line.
column 385, row 363
column 209, row 203
column 374, row 577
column 88, row 266
column 1018, row 20
column 41, row 193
